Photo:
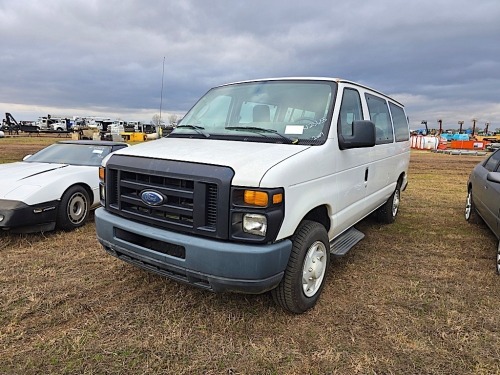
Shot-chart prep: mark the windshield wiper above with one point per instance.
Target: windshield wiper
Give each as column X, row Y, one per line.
column 198, row 129
column 261, row 131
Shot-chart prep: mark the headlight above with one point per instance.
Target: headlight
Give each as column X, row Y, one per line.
column 102, row 185
column 102, row 193
column 255, row 224
column 256, row 213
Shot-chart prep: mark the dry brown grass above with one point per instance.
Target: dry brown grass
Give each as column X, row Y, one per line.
column 417, row 297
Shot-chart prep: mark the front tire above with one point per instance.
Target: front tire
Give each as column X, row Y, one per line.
column 470, row 209
column 73, row 209
column 498, row 259
column 306, row 271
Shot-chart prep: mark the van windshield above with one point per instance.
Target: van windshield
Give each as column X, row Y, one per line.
column 294, row 112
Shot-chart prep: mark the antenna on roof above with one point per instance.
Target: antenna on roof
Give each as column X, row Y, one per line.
column 161, row 94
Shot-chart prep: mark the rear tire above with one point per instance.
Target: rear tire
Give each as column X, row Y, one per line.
column 387, row 213
column 306, row 271
column 73, row 209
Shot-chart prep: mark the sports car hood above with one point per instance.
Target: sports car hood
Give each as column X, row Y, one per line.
column 26, row 176
column 249, row 160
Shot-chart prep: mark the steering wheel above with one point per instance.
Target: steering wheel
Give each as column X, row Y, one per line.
column 310, row 119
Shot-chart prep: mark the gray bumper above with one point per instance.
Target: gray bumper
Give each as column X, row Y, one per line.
column 215, row 265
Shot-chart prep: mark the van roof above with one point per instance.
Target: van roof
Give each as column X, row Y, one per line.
column 337, row 80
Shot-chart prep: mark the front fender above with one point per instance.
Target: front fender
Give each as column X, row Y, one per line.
column 51, row 186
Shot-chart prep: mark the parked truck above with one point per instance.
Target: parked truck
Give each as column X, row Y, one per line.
column 258, row 186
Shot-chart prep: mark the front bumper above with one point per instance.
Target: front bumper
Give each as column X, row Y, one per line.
column 20, row 217
column 218, row 266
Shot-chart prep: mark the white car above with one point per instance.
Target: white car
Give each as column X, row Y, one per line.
column 53, row 188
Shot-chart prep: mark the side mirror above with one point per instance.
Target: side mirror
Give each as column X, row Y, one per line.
column 363, row 135
column 493, row 177
column 26, row 157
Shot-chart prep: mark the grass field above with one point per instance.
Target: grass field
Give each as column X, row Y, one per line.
column 419, row 296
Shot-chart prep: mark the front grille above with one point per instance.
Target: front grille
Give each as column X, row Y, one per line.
column 178, row 207
column 195, row 202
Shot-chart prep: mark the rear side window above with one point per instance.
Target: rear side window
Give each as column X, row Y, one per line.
column 492, row 163
column 350, row 110
column 379, row 115
column 400, row 123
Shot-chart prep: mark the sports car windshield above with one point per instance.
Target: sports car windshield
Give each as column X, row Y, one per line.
column 74, row 154
column 281, row 111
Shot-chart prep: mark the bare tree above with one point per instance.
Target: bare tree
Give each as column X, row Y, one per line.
column 156, row 120
column 172, row 120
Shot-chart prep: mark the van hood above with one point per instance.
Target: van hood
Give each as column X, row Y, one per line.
column 249, row 160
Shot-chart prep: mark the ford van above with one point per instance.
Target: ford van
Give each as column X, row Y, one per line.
column 258, row 186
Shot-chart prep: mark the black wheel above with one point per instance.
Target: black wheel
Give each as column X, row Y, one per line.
column 306, row 271
column 470, row 209
column 388, row 212
column 498, row 259
column 73, row 209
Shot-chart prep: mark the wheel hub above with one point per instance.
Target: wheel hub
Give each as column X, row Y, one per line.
column 314, row 268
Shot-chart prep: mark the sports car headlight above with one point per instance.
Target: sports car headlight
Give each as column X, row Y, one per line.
column 255, row 224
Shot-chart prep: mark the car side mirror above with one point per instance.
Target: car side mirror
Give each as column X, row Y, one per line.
column 27, row 157
column 363, row 135
column 493, row 177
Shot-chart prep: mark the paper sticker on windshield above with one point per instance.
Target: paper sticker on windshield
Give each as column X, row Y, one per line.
column 97, row 151
column 294, row 129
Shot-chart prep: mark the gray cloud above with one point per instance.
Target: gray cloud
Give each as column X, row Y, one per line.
column 440, row 58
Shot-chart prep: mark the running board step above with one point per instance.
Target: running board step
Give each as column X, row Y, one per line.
column 345, row 242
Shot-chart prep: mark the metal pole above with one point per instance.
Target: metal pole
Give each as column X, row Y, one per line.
column 161, row 94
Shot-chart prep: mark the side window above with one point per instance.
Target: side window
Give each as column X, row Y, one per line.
column 492, row 163
column 350, row 110
column 401, row 130
column 379, row 115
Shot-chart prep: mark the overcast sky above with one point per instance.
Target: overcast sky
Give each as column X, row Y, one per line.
column 441, row 59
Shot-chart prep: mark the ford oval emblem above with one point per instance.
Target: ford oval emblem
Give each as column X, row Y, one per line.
column 152, row 198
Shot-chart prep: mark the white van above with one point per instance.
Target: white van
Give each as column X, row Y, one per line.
column 257, row 185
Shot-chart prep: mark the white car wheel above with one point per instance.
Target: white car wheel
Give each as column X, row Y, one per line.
column 74, row 208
